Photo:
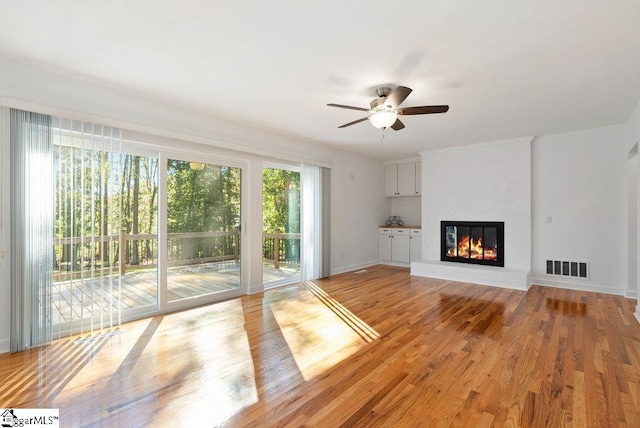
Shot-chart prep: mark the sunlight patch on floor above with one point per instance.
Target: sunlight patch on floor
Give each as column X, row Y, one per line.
column 219, row 376
column 319, row 331
column 197, row 378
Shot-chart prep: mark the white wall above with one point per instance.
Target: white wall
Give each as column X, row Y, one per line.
column 409, row 208
column 357, row 205
column 579, row 204
column 356, row 212
column 580, row 184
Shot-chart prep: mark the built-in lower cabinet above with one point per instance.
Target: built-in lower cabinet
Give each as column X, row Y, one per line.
column 384, row 245
column 415, row 245
column 399, row 245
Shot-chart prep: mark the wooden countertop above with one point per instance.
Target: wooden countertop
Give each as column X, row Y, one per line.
column 401, row 227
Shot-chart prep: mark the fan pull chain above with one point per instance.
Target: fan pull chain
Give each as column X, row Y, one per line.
column 382, row 139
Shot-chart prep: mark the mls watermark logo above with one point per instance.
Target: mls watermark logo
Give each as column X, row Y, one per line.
column 10, row 418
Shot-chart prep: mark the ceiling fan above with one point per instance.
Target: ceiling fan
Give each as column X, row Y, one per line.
column 384, row 110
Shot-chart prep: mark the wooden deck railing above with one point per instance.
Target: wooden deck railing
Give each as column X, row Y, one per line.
column 113, row 249
column 281, row 247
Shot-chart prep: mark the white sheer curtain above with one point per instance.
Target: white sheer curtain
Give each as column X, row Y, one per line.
column 311, row 222
column 315, row 222
column 31, row 229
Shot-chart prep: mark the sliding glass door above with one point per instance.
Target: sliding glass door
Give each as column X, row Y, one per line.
column 113, row 259
column 138, row 231
column 203, row 229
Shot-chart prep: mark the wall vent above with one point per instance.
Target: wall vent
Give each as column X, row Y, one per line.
column 568, row 268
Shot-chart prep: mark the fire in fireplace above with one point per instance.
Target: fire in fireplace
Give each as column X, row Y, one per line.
column 472, row 242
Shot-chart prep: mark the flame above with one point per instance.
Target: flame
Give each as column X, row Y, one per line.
column 472, row 248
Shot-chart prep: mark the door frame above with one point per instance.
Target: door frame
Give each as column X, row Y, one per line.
column 208, row 158
column 285, row 167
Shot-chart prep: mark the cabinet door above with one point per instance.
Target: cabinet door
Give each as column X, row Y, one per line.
column 391, row 180
column 384, row 247
column 415, row 248
column 407, row 179
column 400, row 249
column 418, row 178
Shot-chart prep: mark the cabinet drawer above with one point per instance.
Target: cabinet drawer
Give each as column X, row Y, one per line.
column 384, row 231
column 400, row 232
column 415, row 232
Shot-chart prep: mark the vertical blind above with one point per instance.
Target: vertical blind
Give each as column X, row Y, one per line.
column 88, row 170
column 31, row 229
column 65, row 220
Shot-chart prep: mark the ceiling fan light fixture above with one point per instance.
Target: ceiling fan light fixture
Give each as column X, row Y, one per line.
column 384, row 111
column 383, row 119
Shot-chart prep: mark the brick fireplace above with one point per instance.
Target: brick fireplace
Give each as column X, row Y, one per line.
column 489, row 182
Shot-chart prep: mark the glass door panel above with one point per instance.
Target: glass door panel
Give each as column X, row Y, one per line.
column 281, row 226
column 203, row 219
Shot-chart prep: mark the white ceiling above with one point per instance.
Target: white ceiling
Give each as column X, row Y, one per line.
column 506, row 68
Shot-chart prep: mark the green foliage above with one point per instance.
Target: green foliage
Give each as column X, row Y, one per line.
column 202, row 201
column 98, row 193
column 280, row 200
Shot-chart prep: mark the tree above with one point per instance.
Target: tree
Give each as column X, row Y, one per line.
column 281, row 206
column 281, row 200
column 202, row 201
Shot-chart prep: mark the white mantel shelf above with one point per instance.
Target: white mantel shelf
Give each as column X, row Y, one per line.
column 515, row 279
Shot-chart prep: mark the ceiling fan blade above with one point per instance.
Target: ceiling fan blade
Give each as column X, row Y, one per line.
column 354, row 122
column 349, row 107
column 423, row 110
column 397, row 125
column 397, row 96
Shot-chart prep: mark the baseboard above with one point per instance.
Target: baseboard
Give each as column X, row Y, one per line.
column 637, row 314
column 631, row 294
column 4, row 346
column 396, row 264
column 578, row 285
column 351, row 268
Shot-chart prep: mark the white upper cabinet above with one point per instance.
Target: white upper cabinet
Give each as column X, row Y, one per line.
column 407, row 179
column 403, row 179
column 391, row 180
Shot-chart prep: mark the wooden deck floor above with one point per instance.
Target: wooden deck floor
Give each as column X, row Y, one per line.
column 75, row 300
column 375, row 349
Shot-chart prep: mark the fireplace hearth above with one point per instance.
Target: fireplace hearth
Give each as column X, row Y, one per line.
column 473, row 242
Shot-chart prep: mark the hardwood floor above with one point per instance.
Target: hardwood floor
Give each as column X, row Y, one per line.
column 377, row 348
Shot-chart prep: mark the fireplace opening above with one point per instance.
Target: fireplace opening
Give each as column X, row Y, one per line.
column 472, row 242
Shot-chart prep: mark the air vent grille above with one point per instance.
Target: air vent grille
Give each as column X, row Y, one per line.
column 568, row 268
